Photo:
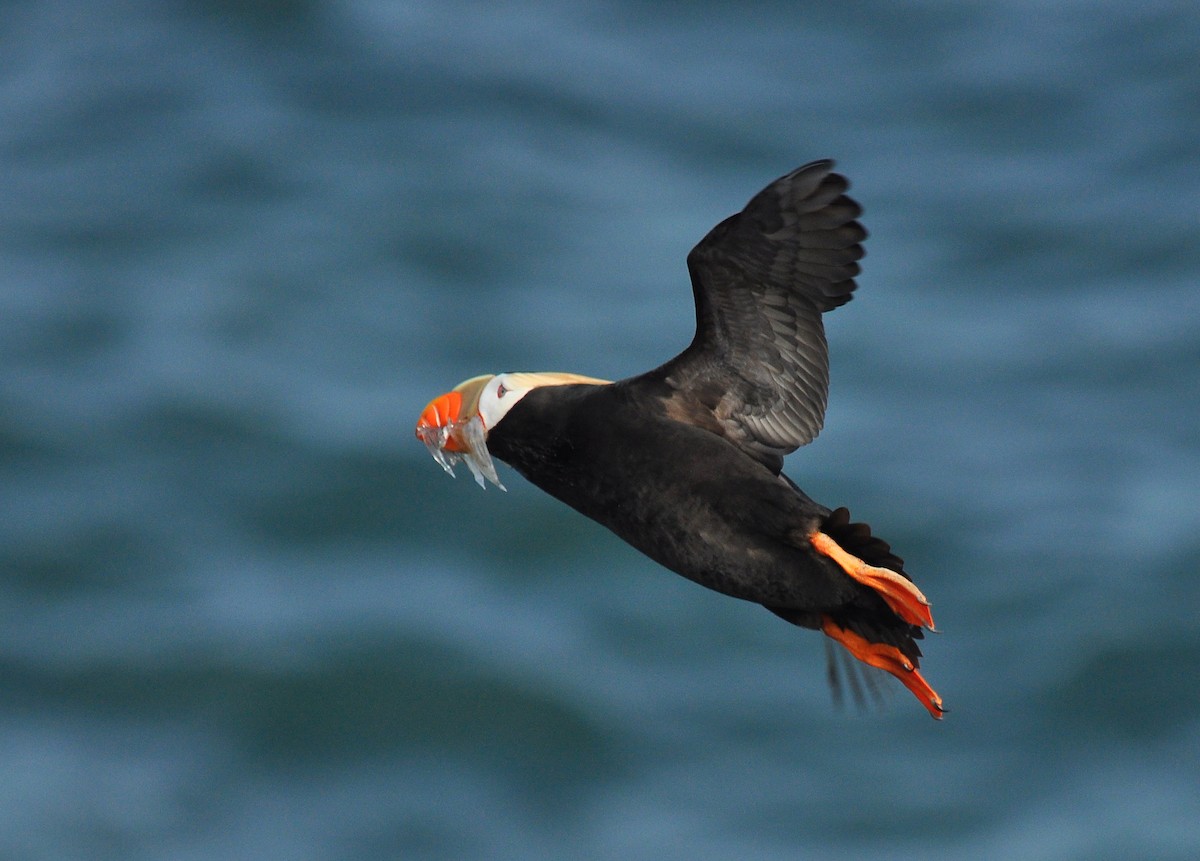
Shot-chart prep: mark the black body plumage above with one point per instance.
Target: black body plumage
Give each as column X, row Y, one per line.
column 693, row 502
column 684, row 461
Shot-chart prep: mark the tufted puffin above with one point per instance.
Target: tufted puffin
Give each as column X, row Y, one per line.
column 684, row 462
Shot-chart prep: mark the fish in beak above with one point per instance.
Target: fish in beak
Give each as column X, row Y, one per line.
column 453, row 431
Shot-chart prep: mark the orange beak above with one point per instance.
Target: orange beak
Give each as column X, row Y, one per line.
column 453, row 431
column 441, row 411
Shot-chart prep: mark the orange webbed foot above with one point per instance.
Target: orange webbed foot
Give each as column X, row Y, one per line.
column 901, row 595
column 887, row 658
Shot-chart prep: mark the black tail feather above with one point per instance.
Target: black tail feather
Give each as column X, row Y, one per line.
column 856, row 538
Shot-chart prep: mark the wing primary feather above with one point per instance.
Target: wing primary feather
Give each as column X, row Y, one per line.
column 757, row 370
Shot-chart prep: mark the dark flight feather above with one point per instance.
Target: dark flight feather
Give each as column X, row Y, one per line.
column 757, row 371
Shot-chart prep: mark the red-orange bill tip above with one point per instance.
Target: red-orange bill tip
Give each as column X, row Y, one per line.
column 441, row 411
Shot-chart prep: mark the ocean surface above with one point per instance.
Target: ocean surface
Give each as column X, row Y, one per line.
column 243, row 615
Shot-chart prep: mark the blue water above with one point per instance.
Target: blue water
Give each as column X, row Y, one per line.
column 244, row 615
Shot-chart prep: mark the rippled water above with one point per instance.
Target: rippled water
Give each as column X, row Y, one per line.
column 244, row 615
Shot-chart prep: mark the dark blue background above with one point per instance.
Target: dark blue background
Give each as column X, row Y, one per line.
column 243, row 615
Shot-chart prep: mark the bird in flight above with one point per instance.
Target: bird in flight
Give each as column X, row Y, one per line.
column 684, row 461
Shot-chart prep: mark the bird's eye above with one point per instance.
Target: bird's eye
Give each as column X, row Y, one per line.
column 501, row 391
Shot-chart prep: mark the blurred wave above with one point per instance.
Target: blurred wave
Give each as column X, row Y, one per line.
column 244, row 616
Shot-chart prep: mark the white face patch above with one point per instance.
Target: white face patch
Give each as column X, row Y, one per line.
column 486, row 400
column 499, row 396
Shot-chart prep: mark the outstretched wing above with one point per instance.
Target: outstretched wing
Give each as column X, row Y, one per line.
column 757, row 371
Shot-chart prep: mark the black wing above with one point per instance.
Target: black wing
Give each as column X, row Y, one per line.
column 757, row 371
